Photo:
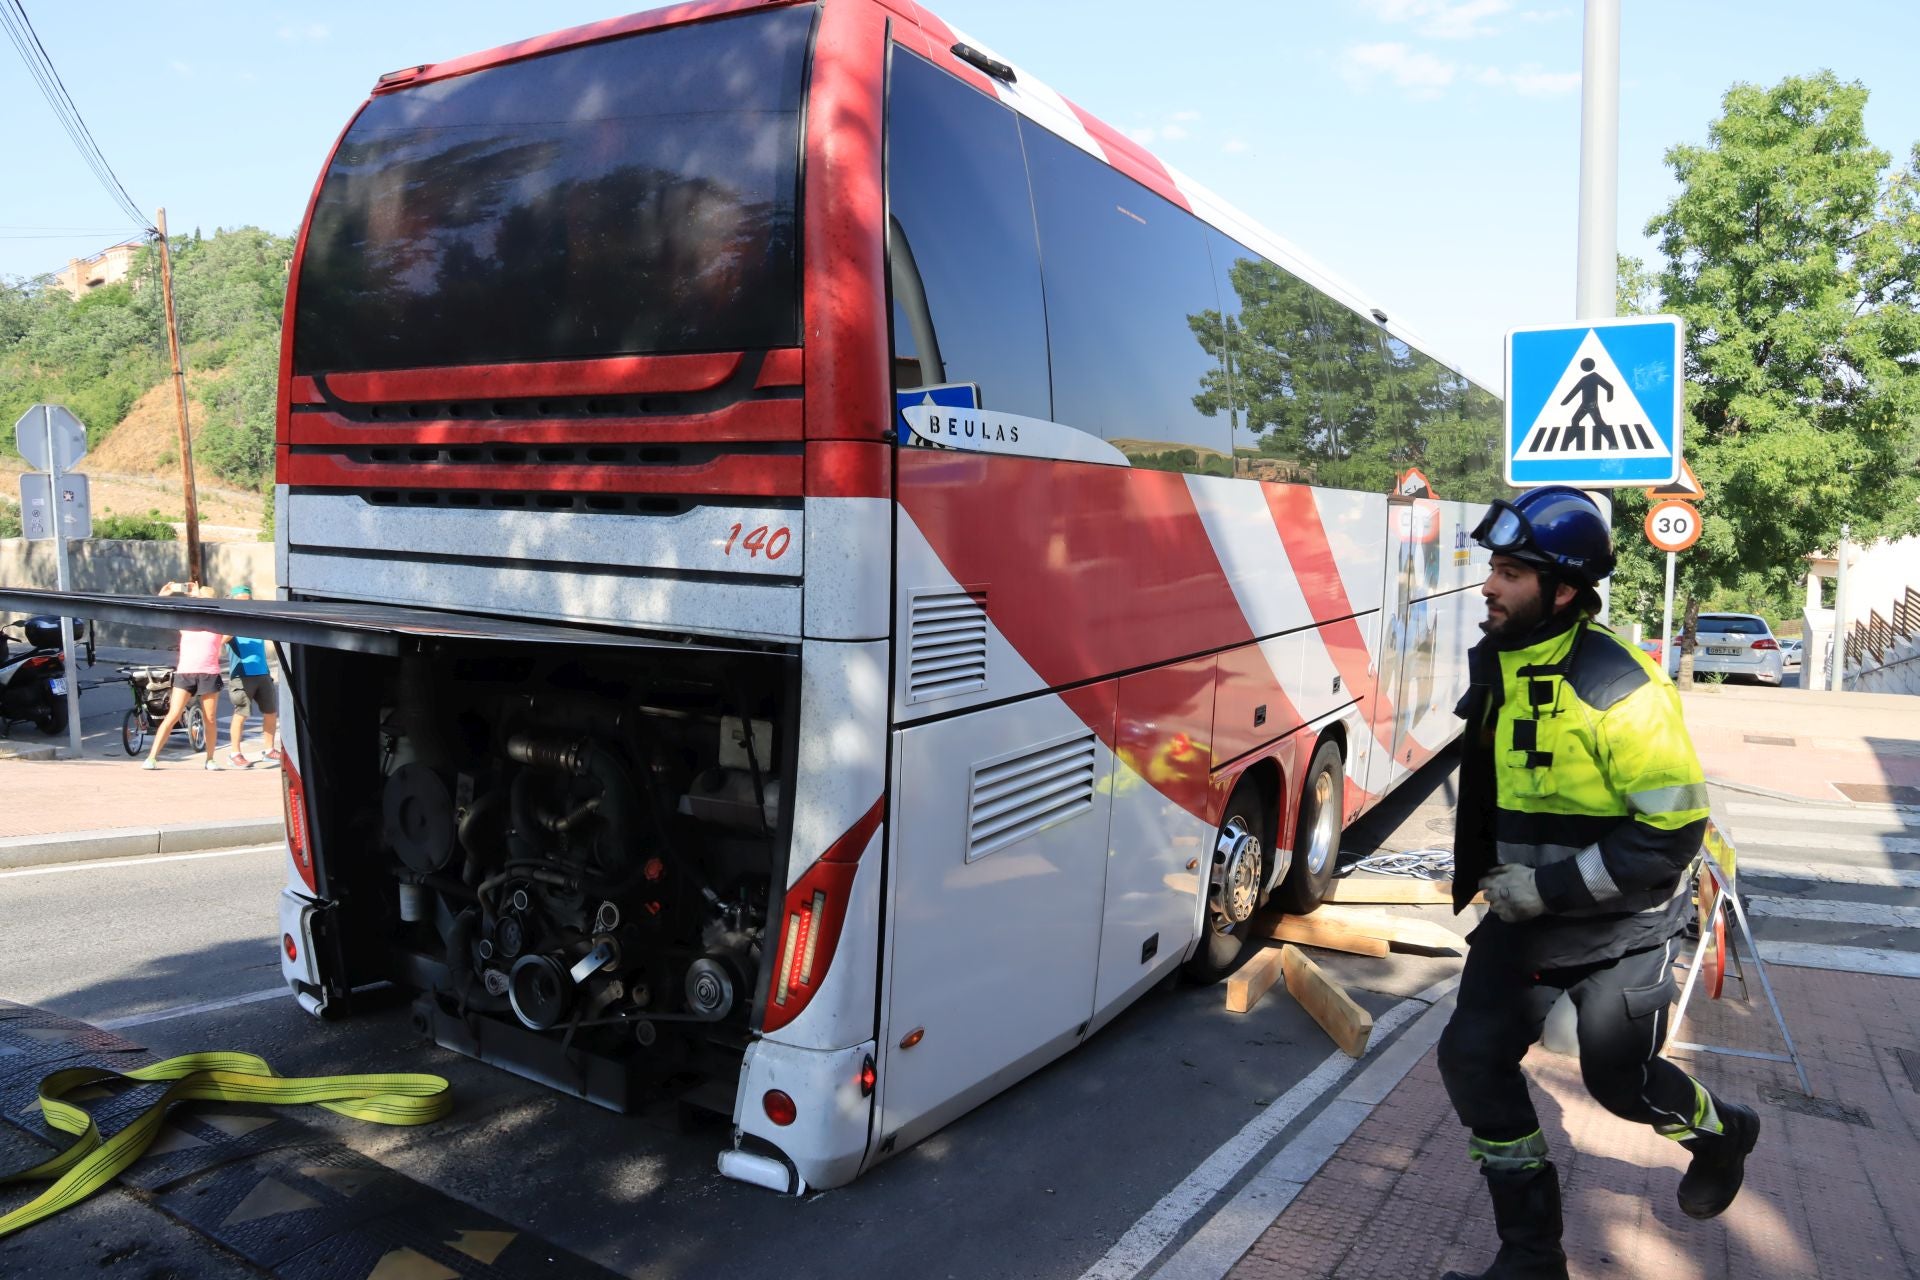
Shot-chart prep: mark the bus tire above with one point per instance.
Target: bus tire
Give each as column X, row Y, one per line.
column 1234, row 883
column 1316, row 841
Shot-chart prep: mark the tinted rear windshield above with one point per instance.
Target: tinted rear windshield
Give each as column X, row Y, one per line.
column 1738, row 626
column 632, row 197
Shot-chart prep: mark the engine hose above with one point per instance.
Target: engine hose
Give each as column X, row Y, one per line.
column 472, row 823
column 460, row 965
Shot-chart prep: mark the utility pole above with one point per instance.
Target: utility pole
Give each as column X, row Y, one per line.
column 180, row 401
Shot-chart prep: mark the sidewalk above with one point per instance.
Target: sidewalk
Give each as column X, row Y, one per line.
column 1829, row 1195
column 106, row 805
column 1836, row 747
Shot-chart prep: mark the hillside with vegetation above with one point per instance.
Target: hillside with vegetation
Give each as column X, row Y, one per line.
column 104, row 356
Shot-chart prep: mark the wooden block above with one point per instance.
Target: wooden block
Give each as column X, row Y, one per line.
column 1388, row 889
column 1313, row 931
column 1405, row 931
column 1246, row 986
column 1349, row 1025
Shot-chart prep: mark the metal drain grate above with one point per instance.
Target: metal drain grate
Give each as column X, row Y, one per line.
column 1769, row 740
column 1824, row 1108
column 1910, row 1061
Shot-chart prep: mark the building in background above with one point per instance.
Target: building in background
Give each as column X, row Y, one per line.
column 109, row 266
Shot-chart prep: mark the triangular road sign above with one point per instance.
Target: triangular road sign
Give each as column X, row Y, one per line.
column 1686, row 488
column 1414, row 484
column 1592, row 413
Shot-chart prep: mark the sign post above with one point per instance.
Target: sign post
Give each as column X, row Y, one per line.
column 49, row 436
column 1672, row 526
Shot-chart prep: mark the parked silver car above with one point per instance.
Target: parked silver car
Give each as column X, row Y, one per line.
column 1736, row 645
column 1791, row 652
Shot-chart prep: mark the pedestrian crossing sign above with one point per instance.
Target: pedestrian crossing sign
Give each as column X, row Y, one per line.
column 1596, row 403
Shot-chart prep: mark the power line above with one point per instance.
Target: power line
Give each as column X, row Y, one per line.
column 26, row 42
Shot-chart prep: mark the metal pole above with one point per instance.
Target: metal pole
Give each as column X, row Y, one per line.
column 1836, row 681
column 1599, row 162
column 1666, row 619
column 64, row 581
column 180, row 400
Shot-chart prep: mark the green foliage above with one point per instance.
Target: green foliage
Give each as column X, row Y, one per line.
column 266, row 515
column 99, row 353
column 1329, row 394
column 151, row 527
column 1791, row 252
column 9, row 518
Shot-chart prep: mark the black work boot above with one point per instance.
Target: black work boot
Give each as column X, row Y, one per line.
column 1526, row 1211
column 1719, row 1161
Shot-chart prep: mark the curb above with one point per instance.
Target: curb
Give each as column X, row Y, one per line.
column 137, row 842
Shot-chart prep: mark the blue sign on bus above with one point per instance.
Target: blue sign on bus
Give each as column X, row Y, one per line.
column 1597, row 403
column 947, row 395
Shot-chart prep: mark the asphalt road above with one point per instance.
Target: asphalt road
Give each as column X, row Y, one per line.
column 1038, row 1182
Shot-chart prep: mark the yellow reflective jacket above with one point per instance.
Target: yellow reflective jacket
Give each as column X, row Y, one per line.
column 1578, row 764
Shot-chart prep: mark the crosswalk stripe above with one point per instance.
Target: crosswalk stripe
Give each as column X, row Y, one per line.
column 1886, row 819
column 1828, row 873
column 1813, row 955
column 1817, row 842
column 1830, row 911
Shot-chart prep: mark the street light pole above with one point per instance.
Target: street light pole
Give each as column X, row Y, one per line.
column 1599, row 245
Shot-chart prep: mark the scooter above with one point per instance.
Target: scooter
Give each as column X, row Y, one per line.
column 33, row 681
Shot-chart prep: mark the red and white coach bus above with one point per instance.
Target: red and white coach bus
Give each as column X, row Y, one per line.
column 813, row 572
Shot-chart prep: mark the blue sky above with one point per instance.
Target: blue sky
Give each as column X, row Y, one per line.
column 1426, row 150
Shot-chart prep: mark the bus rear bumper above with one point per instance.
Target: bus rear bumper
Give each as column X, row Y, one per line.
column 825, row 1144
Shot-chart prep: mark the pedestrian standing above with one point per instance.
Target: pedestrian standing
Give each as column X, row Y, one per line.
column 250, row 687
column 1582, row 806
column 196, row 674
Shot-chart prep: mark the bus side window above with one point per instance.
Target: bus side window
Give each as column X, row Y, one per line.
column 963, row 264
column 1129, row 283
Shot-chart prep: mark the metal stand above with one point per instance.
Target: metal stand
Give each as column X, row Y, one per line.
column 1723, row 898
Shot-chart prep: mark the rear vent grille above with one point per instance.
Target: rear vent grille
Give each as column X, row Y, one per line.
column 1012, row 798
column 947, row 634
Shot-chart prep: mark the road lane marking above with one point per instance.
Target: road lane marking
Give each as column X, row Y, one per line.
column 1879, row 915
column 281, row 992
column 107, row 864
column 1891, row 819
column 1217, row 1247
column 1829, row 873
column 1814, row 955
column 1150, row 1234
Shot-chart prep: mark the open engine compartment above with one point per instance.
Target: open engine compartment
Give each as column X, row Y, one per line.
column 567, row 854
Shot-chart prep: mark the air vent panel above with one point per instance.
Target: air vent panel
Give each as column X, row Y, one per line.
column 1017, row 796
column 947, row 643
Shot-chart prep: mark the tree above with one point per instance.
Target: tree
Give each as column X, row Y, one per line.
column 1791, row 252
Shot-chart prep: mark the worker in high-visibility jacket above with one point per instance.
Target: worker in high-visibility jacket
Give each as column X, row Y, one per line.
column 1582, row 805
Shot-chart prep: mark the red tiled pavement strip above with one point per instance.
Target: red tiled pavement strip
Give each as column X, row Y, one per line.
column 1824, row 1199
column 49, row 797
column 1800, row 743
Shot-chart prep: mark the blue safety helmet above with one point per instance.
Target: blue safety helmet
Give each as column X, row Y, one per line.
column 1556, row 527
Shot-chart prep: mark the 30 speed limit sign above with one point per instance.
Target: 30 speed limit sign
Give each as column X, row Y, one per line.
column 1673, row 526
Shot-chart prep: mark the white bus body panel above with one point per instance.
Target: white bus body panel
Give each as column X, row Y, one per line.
column 994, row 958
column 827, row 1141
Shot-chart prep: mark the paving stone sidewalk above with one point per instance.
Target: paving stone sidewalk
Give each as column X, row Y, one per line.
column 1832, row 1196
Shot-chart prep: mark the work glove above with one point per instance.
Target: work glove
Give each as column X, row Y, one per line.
column 1512, row 893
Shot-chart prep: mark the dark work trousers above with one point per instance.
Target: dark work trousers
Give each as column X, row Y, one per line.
column 1501, row 1007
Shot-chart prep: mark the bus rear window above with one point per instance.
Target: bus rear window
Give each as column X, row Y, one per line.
column 637, row 196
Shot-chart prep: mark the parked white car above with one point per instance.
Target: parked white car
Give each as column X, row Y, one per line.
column 1736, row 645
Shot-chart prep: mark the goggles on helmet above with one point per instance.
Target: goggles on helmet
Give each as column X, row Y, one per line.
column 1503, row 529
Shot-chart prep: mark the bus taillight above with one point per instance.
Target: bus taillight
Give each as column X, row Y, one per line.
column 294, row 806
column 814, row 911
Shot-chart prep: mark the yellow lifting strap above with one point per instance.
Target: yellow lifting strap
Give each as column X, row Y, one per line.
column 90, row 1163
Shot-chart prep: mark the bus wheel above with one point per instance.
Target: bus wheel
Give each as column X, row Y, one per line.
column 1240, row 849
column 1316, row 842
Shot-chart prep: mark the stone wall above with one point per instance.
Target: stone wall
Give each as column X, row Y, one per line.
column 135, row 568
